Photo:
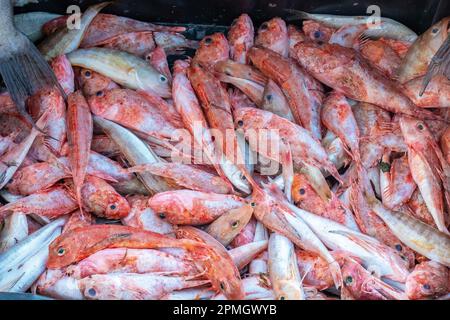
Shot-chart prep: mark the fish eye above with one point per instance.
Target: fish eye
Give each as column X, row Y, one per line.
column 435, row 30
column 240, row 123
column 113, row 207
column 253, row 204
column 269, row 97
column 162, row 79
column 302, row 191
column 317, row 34
column 420, row 126
column 61, row 251
column 348, row 280
column 147, row 57
column 264, row 26
column 235, row 224
column 162, row 215
column 222, row 286
column 282, row 298
column 100, row 93
column 385, row 167
column 87, row 74
column 208, row 40
column 426, row 286
column 398, row 247
column 92, row 292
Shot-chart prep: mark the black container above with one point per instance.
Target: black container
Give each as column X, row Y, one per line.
column 416, row 14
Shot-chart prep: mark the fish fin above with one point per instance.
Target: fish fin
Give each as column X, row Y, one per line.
column 362, row 40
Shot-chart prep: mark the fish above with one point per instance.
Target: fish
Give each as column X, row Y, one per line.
column 188, row 207
column 429, row 169
column 123, row 68
column 66, row 249
column 241, row 37
column 283, row 269
column 79, row 137
column 417, row 235
column 67, row 40
column 229, row 224
column 387, row 27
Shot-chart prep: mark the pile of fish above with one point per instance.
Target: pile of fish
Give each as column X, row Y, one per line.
column 299, row 162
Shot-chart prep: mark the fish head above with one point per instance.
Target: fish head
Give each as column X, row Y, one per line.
column 148, row 79
column 317, row 31
column 63, row 250
column 241, row 29
column 435, row 36
column 271, row 31
column 92, row 82
column 212, row 49
column 237, row 218
column 301, row 189
column 99, row 103
column 415, row 131
column 353, row 275
column 428, row 279
column 117, row 207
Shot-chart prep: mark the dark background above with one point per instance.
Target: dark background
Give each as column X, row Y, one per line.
column 416, row 14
